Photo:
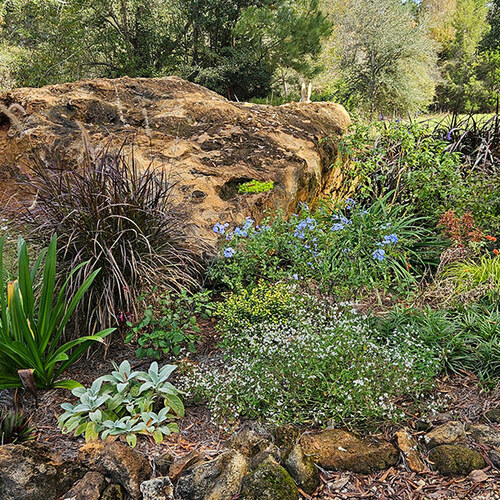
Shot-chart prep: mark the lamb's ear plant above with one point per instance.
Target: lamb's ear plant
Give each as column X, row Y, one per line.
column 33, row 316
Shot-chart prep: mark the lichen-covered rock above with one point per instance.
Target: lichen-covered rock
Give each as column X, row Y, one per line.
column 484, row 434
column 269, row 481
column 119, row 462
column 89, row 487
column 449, row 433
column 455, row 460
column 160, row 488
column 302, row 469
column 338, row 449
column 113, row 492
column 286, row 437
column 218, row 479
column 493, row 415
column 34, row 471
column 208, row 144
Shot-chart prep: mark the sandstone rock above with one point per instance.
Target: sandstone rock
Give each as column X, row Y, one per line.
column 494, row 456
column 162, row 465
column 302, row 469
column 34, row 471
column 210, row 145
column 89, row 487
column 409, row 448
column 160, row 488
column 286, row 437
column 455, row 460
column 269, row 481
column 113, row 492
column 218, row 479
column 339, row 449
column 449, row 433
column 493, row 415
column 256, row 444
column 484, row 434
column 119, row 462
column 178, row 467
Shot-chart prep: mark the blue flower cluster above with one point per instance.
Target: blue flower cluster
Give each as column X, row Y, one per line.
column 229, row 252
column 338, row 226
column 306, row 224
column 390, row 239
column 379, row 254
column 220, row 228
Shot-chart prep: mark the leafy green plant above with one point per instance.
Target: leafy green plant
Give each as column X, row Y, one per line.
column 33, row 318
column 170, row 324
column 125, row 403
column 15, row 427
column 113, row 214
column 341, row 247
column 255, row 186
column 466, row 339
column 321, row 363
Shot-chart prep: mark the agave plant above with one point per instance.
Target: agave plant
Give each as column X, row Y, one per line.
column 33, row 317
column 15, row 428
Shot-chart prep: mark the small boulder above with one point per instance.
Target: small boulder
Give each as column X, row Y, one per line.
column 456, row 460
column 409, row 449
column 185, row 462
column 33, row 470
column 119, row 462
column 494, row 456
column 302, row 469
column 160, row 488
column 269, row 481
column 286, row 437
column 90, row 487
column 484, row 434
column 449, row 433
column 255, row 444
column 218, row 479
column 113, row 492
column 493, row 415
column 341, row 450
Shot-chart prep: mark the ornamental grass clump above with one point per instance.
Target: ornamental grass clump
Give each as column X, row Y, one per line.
column 113, row 214
column 315, row 366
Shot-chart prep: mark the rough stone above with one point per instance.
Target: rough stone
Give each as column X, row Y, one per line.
column 494, row 456
column 339, row 449
column 286, row 437
column 89, row 487
column 218, row 479
column 33, row 470
column 409, row 449
column 449, row 433
column 484, row 434
column 269, row 481
column 208, row 144
column 455, row 460
column 113, row 492
column 493, row 415
column 160, row 488
column 177, row 468
column 302, row 469
column 119, row 462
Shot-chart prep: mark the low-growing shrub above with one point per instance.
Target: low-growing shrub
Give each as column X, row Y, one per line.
column 33, row 317
column 111, row 213
column 342, row 248
column 170, row 324
column 311, row 368
column 125, row 403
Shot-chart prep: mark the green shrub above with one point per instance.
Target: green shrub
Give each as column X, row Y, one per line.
column 466, row 339
column 125, row 403
column 32, row 321
column 342, row 248
column 170, row 325
column 312, row 367
column 255, row 187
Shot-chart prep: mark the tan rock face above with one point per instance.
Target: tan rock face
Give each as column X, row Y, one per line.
column 208, row 144
column 342, row 450
column 449, row 433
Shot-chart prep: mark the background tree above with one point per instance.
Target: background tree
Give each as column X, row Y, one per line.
column 386, row 57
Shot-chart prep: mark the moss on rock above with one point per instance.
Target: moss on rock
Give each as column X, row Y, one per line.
column 456, row 460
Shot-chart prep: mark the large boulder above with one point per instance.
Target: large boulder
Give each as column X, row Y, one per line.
column 337, row 449
column 31, row 471
column 209, row 144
